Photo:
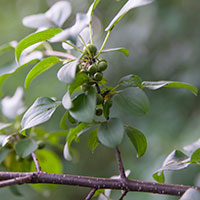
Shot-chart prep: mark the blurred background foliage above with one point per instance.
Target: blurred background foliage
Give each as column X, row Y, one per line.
column 164, row 43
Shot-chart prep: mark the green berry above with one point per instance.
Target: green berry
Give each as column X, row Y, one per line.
column 98, row 76
column 102, row 66
column 99, row 111
column 102, row 60
column 41, row 144
column 92, row 50
column 99, row 99
column 85, row 87
column 92, row 69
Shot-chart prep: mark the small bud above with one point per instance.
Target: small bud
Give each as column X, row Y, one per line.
column 92, row 50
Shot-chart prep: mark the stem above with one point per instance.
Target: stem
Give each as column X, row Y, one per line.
column 59, row 54
column 91, row 193
column 104, row 43
column 94, row 182
column 70, row 44
column 120, row 164
column 37, row 166
column 123, row 195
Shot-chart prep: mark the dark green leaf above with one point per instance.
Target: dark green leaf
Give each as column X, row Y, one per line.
column 154, row 85
column 159, row 177
column 72, row 136
column 35, row 38
column 41, row 67
column 3, row 153
column 68, row 72
column 93, row 140
column 128, row 6
column 25, row 147
column 130, row 81
column 191, row 194
column 84, row 106
column 122, row 50
column 40, row 112
column 111, row 132
column 138, row 140
column 132, row 101
column 195, row 156
column 79, row 79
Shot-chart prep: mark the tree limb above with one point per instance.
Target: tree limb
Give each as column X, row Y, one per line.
column 98, row 183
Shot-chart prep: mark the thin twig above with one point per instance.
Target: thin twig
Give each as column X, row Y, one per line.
column 120, row 164
column 59, row 54
column 123, row 195
column 16, row 181
column 91, row 193
column 37, row 165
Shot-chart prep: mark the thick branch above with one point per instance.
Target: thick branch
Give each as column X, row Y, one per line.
column 120, row 164
column 98, row 183
column 59, row 54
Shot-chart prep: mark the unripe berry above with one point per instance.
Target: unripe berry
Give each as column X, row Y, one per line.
column 98, row 76
column 99, row 111
column 92, row 50
column 92, row 69
column 102, row 66
column 99, row 99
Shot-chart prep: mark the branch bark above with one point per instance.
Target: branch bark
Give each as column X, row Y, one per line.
column 94, row 182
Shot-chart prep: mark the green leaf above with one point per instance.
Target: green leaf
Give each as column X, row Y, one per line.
column 41, row 67
column 138, row 140
column 93, row 140
column 130, row 80
column 3, row 153
column 40, row 112
column 67, row 101
column 15, row 191
column 84, row 106
column 35, row 38
column 132, row 101
column 122, row 50
column 111, row 132
column 106, row 108
column 195, row 156
column 72, row 136
column 159, row 177
column 67, row 73
column 154, row 85
column 175, row 161
column 63, row 121
column 25, row 147
column 128, row 6
column 79, row 80
column 191, row 194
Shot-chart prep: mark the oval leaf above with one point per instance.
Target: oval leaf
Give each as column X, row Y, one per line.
column 132, row 101
column 191, row 194
column 130, row 80
column 41, row 67
column 111, row 132
column 122, row 50
column 68, row 72
column 84, row 106
column 154, row 85
column 138, row 140
column 40, row 112
column 128, row 6
column 35, row 38
column 25, row 147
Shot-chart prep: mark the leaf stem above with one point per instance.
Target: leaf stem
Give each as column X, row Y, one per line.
column 37, row 166
column 75, row 47
column 120, row 164
column 104, row 43
column 91, row 194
